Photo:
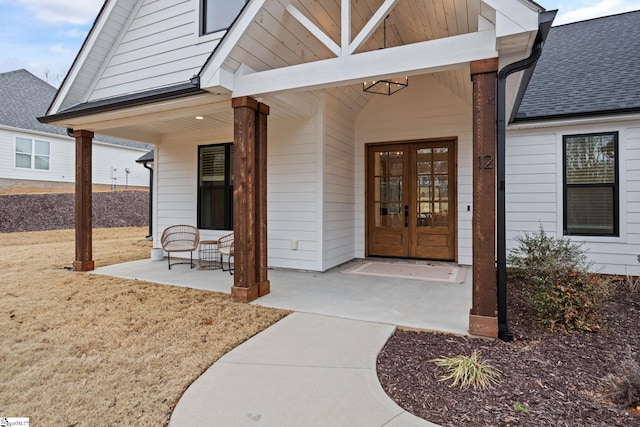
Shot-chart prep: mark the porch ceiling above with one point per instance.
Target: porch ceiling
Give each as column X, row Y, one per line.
column 156, row 122
column 275, row 39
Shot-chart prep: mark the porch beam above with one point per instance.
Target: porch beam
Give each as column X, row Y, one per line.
column 371, row 26
column 483, row 318
column 345, row 27
column 417, row 58
column 313, row 29
column 249, row 200
column 84, row 256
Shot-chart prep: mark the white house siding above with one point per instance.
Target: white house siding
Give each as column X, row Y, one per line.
column 106, row 158
column 159, row 48
column 294, row 194
column 426, row 109
column 293, row 198
column 535, row 190
column 339, row 185
column 175, row 197
column 91, row 65
column 62, row 161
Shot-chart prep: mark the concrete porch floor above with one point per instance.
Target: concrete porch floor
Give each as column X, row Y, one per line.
column 401, row 302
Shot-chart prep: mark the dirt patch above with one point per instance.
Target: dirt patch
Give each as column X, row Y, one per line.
column 548, row 379
column 36, row 212
column 84, row 350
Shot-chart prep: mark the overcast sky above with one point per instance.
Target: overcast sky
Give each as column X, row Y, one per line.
column 44, row 36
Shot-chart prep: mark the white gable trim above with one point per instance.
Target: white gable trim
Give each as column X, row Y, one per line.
column 424, row 57
column 82, row 57
column 513, row 17
column 230, row 40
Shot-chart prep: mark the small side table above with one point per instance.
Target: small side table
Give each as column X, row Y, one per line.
column 208, row 255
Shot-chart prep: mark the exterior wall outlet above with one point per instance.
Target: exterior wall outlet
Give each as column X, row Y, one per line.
column 294, row 245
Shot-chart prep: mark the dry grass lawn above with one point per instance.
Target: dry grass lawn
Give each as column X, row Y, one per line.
column 78, row 349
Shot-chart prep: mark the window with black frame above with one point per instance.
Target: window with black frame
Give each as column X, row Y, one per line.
column 218, row 15
column 215, row 187
column 591, row 184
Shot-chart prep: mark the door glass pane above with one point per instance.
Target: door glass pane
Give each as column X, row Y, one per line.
column 424, row 188
column 441, row 215
column 424, row 159
column 441, row 160
column 441, row 187
column 388, row 189
column 425, row 215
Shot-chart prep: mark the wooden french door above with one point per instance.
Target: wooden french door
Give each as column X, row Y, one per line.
column 411, row 200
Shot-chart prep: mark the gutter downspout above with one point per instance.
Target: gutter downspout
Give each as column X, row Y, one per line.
column 146, row 166
column 544, row 25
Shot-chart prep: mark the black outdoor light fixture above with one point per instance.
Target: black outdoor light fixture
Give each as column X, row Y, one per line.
column 387, row 86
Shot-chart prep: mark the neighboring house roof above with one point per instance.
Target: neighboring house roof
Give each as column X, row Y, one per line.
column 587, row 68
column 149, row 156
column 26, row 97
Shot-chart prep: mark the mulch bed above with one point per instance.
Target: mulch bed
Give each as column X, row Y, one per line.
column 554, row 378
column 38, row 212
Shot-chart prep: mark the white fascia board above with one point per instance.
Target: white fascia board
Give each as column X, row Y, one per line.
column 82, row 57
column 552, row 123
column 221, row 80
column 513, row 17
column 231, row 39
column 417, row 58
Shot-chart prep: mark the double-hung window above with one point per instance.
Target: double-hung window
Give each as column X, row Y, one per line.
column 215, row 187
column 32, row 154
column 217, row 15
column 591, row 184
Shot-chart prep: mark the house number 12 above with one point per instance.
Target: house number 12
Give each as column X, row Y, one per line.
column 485, row 162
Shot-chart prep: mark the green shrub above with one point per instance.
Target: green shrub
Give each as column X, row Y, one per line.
column 625, row 384
column 468, row 371
column 544, row 256
column 557, row 281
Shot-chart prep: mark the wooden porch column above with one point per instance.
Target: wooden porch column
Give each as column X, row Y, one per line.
column 483, row 318
column 249, row 200
column 84, row 144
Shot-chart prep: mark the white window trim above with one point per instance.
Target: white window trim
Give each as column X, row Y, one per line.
column 32, row 154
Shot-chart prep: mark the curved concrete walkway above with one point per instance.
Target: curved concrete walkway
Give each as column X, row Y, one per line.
column 306, row 370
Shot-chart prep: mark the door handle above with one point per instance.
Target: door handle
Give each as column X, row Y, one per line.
column 406, row 215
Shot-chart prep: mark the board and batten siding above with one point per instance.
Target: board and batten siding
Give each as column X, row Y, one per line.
column 105, row 157
column 159, row 48
column 535, row 189
column 339, row 228
column 425, row 110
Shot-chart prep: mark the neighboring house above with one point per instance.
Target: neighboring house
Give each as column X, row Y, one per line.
column 33, row 154
column 323, row 172
column 573, row 151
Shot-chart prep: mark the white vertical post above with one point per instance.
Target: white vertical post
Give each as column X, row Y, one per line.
column 345, row 31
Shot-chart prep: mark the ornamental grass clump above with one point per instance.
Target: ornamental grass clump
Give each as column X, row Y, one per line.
column 468, row 371
column 557, row 281
column 625, row 383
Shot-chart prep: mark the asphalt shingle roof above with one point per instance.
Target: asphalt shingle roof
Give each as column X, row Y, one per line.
column 24, row 97
column 587, row 67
